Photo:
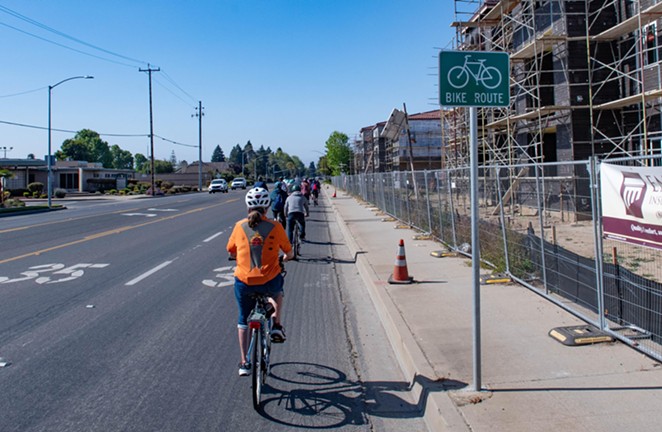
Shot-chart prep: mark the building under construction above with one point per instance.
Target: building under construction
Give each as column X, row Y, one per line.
column 585, row 80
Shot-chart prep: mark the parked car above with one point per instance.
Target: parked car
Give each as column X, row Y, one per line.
column 218, row 185
column 238, row 182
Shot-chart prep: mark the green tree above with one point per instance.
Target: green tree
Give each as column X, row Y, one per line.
column 323, row 166
column 312, row 171
column 163, row 167
column 338, row 153
column 141, row 163
column 122, row 159
column 74, row 150
column 236, row 155
column 218, row 155
column 4, row 174
column 88, row 146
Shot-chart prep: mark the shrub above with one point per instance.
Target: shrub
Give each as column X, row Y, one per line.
column 36, row 187
column 19, row 192
column 60, row 193
column 26, row 194
column 166, row 185
column 112, row 192
column 35, row 194
column 122, row 192
column 14, row 202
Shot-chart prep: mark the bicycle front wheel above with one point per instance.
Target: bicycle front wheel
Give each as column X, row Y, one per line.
column 458, row 77
column 256, row 366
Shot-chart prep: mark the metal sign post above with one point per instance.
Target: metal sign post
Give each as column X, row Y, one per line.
column 474, row 79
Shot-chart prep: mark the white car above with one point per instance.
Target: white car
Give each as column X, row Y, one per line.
column 238, row 182
column 218, row 185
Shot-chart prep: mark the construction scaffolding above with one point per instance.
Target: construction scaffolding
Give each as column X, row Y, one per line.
column 585, row 80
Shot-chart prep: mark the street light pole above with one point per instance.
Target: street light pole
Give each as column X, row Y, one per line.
column 6, row 149
column 50, row 164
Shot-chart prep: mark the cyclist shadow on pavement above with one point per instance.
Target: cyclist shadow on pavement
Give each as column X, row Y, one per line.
column 314, row 396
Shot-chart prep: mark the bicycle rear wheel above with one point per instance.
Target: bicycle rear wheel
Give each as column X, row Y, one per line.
column 256, row 365
column 296, row 240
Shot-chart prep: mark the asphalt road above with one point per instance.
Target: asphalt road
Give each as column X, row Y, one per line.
column 120, row 316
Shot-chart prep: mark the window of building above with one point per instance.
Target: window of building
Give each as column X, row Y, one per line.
column 69, row 181
column 650, row 44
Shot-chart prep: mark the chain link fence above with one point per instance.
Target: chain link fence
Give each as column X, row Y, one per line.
column 540, row 224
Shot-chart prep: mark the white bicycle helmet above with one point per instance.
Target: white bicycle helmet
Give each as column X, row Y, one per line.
column 258, row 198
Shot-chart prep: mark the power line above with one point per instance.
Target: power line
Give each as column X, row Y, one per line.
column 64, row 35
column 175, row 142
column 172, row 81
column 22, row 93
column 87, row 44
column 171, row 92
column 100, row 134
column 65, row 46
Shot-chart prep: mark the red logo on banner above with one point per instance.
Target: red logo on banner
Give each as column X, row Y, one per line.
column 633, row 191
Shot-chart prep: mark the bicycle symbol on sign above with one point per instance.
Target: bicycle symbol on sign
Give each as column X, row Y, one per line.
column 488, row 76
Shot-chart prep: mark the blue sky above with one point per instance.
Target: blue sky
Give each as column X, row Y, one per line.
column 280, row 73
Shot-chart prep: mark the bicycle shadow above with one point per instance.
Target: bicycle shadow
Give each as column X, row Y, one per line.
column 328, row 259
column 314, row 396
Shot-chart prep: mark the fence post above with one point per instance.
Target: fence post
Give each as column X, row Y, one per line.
column 502, row 219
column 441, row 209
column 427, row 199
column 450, row 196
column 407, row 197
column 542, row 229
column 597, row 229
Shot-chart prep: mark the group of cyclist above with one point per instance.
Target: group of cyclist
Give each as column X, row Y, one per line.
column 256, row 243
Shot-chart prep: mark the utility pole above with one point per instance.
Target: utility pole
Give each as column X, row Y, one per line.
column 199, row 115
column 149, row 71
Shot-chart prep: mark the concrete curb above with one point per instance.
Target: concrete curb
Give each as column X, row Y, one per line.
column 439, row 411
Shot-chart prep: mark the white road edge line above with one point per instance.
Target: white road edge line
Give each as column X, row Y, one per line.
column 213, row 237
column 147, row 274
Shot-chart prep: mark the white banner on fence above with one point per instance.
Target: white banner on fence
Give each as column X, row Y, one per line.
column 632, row 204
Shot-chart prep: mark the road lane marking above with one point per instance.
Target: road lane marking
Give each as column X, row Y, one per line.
column 140, row 214
column 148, row 273
column 111, row 232
column 60, row 221
column 208, row 239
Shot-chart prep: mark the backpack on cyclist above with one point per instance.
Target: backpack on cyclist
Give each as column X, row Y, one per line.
column 277, row 200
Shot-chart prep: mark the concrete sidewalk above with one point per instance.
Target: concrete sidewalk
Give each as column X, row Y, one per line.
column 530, row 381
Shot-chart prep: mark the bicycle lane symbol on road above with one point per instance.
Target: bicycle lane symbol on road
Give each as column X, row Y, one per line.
column 226, row 276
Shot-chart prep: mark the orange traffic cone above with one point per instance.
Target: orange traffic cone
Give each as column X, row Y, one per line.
column 400, row 274
column 334, row 194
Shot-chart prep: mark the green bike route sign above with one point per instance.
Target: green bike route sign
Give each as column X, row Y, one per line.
column 474, row 79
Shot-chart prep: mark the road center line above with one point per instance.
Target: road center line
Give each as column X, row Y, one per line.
column 148, row 273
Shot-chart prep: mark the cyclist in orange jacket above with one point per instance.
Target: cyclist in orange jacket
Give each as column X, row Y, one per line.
column 256, row 243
